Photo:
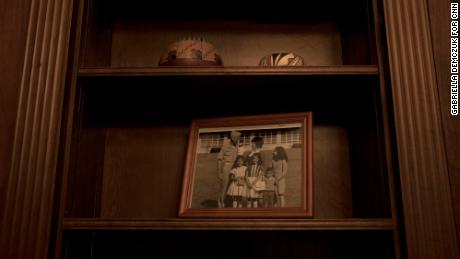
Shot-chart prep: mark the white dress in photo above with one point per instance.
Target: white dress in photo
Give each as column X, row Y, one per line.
column 238, row 186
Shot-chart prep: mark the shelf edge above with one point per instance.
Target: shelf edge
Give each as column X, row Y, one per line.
column 185, row 224
column 213, row 71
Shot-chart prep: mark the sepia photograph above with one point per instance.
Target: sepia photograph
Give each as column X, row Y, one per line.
column 249, row 166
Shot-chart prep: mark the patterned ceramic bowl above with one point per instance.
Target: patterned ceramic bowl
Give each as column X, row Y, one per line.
column 191, row 52
column 281, row 59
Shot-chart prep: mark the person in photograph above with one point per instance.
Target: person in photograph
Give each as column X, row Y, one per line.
column 280, row 169
column 237, row 188
column 254, row 174
column 270, row 192
column 256, row 146
column 225, row 161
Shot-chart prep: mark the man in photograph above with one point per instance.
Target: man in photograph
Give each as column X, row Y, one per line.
column 225, row 161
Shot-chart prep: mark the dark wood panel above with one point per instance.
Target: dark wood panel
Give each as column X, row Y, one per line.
column 85, row 177
column 71, row 118
column 128, row 100
column 239, row 43
column 138, row 116
column 143, row 172
column 77, row 245
column 386, row 130
column 440, row 30
column 314, row 12
column 231, row 244
column 427, row 201
column 96, row 36
column 13, row 25
column 30, row 189
column 369, row 176
column 331, row 173
column 358, row 43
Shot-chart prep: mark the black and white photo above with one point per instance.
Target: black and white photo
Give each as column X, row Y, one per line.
column 251, row 166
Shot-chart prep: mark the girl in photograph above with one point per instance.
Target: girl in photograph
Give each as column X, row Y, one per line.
column 253, row 176
column 280, row 168
column 237, row 189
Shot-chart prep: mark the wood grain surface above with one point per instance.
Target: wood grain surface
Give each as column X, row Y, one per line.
column 141, row 44
column 426, row 193
column 440, row 30
column 142, row 172
column 30, row 188
column 13, row 23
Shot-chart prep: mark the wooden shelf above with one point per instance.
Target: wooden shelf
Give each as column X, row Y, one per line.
column 237, row 71
column 230, row 224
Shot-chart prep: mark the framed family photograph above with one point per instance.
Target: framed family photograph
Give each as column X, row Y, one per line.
column 251, row 166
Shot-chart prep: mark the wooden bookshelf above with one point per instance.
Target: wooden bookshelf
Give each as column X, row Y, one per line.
column 122, row 107
column 86, row 105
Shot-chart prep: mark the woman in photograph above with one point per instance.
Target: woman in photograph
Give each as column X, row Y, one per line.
column 225, row 161
column 256, row 146
column 238, row 186
column 253, row 175
column 280, row 167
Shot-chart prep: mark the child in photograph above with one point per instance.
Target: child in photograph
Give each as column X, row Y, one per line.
column 238, row 187
column 270, row 192
column 254, row 174
column 280, row 168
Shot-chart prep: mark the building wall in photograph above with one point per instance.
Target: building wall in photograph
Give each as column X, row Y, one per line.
column 287, row 138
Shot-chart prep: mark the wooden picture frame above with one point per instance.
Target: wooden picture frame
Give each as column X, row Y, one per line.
column 228, row 158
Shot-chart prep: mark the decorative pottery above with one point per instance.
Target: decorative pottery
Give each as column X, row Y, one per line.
column 190, row 52
column 281, row 59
